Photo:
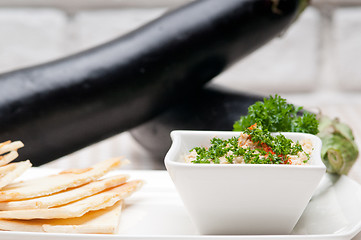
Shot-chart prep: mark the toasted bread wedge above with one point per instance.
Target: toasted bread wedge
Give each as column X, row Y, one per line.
column 55, row 183
column 9, row 146
column 66, row 196
column 104, row 221
column 10, row 172
column 78, row 208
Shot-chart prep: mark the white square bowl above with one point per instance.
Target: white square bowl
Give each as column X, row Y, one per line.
column 242, row 198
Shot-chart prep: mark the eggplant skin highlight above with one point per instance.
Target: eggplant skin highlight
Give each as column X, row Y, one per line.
column 64, row 105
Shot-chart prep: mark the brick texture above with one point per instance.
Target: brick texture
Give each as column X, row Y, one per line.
column 347, row 34
column 90, row 28
column 30, row 36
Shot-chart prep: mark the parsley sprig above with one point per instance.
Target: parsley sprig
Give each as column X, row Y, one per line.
column 276, row 115
column 279, row 144
column 218, row 148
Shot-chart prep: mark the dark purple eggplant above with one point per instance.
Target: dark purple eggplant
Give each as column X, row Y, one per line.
column 62, row 106
column 211, row 108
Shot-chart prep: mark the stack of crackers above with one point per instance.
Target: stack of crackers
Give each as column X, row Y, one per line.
column 71, row 201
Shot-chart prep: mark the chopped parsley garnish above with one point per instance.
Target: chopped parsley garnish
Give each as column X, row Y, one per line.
column 276, row 115
column 268, row 149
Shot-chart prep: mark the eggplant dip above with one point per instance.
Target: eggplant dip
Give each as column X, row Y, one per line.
column 253, row 146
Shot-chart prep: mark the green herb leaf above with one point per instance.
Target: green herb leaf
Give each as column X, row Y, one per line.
column 276, row 115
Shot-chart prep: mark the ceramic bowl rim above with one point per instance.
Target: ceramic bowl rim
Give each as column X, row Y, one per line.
column 170, row 158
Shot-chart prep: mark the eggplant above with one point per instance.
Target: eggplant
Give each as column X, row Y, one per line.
column 62, row 106
column 211, row 108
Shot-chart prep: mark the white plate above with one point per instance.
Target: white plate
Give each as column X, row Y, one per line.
column 156, row 212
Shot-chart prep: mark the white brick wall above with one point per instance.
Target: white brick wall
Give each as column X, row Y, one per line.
column 92, row 27
column 30, row 36
column 347, row 34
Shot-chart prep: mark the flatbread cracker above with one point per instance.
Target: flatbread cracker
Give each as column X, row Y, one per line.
column 7, row 158
column 10, row 172
column 104, row 221
column 78, row 208
column 67, row 195
column 58, row 182
column 9, row 146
